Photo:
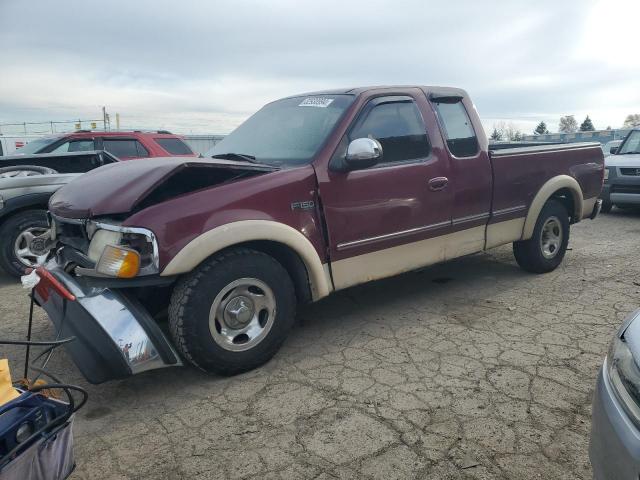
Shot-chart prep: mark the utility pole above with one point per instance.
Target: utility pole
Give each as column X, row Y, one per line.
column 104, row 118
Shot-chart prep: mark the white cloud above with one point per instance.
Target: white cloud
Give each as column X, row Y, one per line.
column 204, row 66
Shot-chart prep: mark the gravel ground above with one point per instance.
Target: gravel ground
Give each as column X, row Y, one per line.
column 467, row 370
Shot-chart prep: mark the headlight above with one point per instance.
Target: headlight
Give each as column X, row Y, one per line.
column 606, row 174
column 122, row 252
column 624, row 375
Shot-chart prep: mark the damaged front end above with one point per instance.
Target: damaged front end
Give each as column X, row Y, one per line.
column 115, row 336
column 111, row 270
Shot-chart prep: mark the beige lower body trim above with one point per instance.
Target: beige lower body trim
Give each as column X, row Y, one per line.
column 212, row 241
column 403, row 258
column 546, row 191
column 504, row 232
column 587, row 206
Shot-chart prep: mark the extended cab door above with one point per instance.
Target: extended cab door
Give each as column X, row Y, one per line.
column 394, row 216
column 470, row 167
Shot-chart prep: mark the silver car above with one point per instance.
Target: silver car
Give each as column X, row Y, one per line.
column 615, row 427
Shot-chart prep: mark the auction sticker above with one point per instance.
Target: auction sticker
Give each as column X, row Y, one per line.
column 322, row 102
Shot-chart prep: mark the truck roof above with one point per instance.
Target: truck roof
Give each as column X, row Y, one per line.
column 444, row 91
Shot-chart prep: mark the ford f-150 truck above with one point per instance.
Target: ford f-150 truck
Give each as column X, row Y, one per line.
column 312, row 194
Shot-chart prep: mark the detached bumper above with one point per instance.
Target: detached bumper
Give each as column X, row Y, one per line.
column 115, row 336
column 614, row 449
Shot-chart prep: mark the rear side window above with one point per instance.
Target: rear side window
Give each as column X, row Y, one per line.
column 399, row 128
column 124, row 148
column 461, row 138
column 174, row 146
column 84, row 145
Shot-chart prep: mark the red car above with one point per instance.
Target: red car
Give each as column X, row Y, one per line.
column 124, row 145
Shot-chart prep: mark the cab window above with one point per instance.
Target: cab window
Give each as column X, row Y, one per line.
column 399, row 128
column 83, row 145
column 457, row 128
column 124, row 148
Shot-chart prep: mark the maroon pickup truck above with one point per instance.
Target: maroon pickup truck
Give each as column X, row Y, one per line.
column 312, row 194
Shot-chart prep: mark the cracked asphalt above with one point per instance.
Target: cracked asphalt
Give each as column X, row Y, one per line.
column 472, row 369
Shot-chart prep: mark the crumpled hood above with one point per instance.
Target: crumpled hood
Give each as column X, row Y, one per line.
column 630, row 160
column 120, row 187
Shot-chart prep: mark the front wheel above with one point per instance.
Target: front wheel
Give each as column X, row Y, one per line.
column 19, row 246
column 233, row 312
column 606, row 206
column 544, row 251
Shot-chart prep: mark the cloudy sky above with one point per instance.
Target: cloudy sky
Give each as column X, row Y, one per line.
column 202, row 67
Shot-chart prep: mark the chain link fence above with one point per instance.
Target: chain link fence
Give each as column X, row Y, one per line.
column 58, row 126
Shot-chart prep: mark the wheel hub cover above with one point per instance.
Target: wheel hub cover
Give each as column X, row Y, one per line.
column 38, row 246
column 238, row 312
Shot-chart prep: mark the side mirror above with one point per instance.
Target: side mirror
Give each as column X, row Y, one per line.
column 613, row 150
column 363, row 153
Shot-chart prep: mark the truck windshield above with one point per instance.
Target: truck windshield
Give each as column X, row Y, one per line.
column 34, row 146
column 286, row 132
column 631, row 144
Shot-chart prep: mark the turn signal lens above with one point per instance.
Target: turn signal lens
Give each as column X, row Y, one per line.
column 119, row 262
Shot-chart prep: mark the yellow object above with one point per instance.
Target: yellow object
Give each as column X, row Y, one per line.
column 7, row 392
column 119, row 262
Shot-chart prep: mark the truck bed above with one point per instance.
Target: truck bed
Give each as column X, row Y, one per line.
column 519, row 172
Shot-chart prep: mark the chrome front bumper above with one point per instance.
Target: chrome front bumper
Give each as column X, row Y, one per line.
column 115, row 336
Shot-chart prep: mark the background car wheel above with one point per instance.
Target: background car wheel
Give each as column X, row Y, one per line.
column 17, row 252
column 606, row 206
column 25, row 171
column 544, row 251
column 233, row 312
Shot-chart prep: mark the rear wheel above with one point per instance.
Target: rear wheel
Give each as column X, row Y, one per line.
column 233, row 312
column 19, row 246
column 544, row 251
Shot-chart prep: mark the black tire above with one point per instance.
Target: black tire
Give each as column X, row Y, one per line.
column 9, row 232
column 606, row 206
column 194, row 295
column 33, row 169
column 529, row 253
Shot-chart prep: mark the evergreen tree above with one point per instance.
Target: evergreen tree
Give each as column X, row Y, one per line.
column 587, row 125
column 541, row 129
column 496, row 135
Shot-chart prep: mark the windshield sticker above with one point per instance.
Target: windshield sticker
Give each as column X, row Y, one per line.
column 321, row 102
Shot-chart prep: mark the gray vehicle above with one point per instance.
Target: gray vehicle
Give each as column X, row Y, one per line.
column 622, row 174
column 615, row 427
column 26, row 183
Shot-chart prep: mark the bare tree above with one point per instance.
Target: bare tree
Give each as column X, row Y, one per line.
column 568, row 124
column 512, row 133
column 632, row 120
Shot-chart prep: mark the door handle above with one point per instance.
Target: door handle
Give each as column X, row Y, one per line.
column 438, row 183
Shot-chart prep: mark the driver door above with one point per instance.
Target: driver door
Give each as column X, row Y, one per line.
column 381, row 220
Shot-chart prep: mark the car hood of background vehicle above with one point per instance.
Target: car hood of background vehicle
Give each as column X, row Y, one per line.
column 630, row 160
column 126, row 186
